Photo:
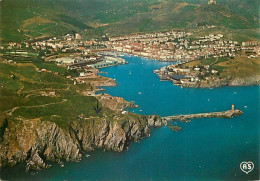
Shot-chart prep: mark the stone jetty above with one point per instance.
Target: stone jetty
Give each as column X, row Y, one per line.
column 224, row 114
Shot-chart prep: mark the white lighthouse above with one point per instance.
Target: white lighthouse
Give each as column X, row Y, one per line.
column 233, row 107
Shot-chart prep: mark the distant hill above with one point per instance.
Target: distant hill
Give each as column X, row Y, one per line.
column 35, row 18
column 185, row 15
column 26, row 19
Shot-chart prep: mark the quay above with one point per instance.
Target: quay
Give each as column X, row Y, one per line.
column 224, row 114
column 108, row 61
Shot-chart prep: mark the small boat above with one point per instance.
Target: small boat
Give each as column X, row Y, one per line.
column 139, row 93
column 87, row 155
column 140, row 110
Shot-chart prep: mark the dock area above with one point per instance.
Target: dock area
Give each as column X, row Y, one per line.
column 108, row 62
column 224, row 114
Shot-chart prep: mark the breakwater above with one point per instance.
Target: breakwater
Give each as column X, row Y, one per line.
column 165, row 152
column 224, row 114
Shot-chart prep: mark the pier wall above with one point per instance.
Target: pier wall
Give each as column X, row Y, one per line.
column 223, row 114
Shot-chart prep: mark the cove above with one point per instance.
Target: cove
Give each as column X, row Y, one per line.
column 205, row 149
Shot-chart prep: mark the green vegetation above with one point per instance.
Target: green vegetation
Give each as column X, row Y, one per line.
column 97, row 108
column 239, row 35
column 50, row 66
column 35, row 18
column 2, row 128
column 239, row 67
column 43, row 95
column 213, row 61
column 74, row 22
column 218, row 68
column 183, row 15
column 209, row 61
column 22, row 59
column 22, row 56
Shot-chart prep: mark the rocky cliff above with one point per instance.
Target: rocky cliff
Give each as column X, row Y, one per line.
column 35, row 141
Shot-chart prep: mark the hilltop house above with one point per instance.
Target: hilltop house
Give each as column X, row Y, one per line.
column 78, row 36
column 212, row 2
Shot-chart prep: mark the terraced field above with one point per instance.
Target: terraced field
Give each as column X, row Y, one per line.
column 29, row 94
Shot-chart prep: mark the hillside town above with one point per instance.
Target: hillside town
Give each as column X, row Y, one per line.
column 69, row 51
column 164, row 46
column 188, row 76
column 82, row 58
column 178, row 46
column 129, row 90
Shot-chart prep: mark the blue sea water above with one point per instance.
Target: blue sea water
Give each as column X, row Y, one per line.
column 205, row 149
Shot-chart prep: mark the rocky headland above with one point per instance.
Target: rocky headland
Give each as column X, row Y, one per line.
column 35, row 141
column 213, row 72
column 114, row 103
column 214, row 82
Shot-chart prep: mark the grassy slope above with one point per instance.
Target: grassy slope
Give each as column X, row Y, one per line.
column 49, row 66
column 37, row 18
column 181, row 15
column 24, row 91
column 239, row 67
column 49, row 18
column 239, row 35
column 46, row 18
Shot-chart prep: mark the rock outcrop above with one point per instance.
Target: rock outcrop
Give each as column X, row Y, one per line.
column 227, row 81
column 114, row 103
column 36, row 141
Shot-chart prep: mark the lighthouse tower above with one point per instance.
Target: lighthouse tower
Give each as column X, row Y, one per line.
column 233, row 107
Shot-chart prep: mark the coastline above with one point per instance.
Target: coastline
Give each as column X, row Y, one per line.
column 36, row 141
column 145, row 57
column 211, row 82
column 170, row 140
column 216, row 83
column 68, row 111
column 111, row 132
column 45, row 141
column 213, row 73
